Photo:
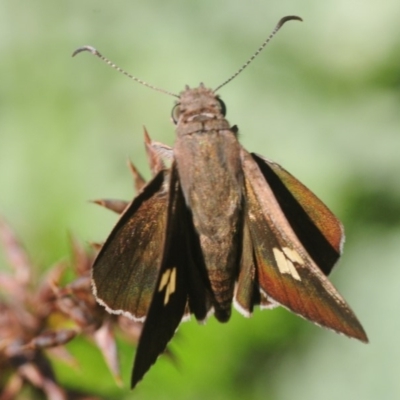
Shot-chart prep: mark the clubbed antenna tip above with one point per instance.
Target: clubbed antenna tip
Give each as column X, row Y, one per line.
column 272, row 34
column 90, row 49
column 96, row 53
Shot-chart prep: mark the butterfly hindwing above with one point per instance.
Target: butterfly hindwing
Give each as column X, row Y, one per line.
column 317, row 228
column 247, row 292
column 125, row 272
column 285, row 271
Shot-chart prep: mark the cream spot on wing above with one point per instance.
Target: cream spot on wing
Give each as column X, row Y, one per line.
column 293, row 270
column 280, row 260
column 284, row 261
column 164, row 279
column 168, row 280
column 293, row 255
column 172, row 282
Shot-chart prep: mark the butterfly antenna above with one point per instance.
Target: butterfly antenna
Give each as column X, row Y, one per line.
column 95, row 52
column 261, row 48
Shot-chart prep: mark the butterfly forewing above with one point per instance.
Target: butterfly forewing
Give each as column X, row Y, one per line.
column 172, row 289
column 124, row 273
column 285, row 271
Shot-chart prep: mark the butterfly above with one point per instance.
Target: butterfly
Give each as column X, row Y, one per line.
column 219, row 227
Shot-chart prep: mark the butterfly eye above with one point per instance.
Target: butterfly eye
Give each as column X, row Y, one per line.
column 223, row 107
column 175, row 113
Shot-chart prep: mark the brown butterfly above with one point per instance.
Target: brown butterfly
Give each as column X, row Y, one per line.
column 220, row 226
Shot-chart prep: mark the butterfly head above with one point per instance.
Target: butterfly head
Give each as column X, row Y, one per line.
column 198, row 105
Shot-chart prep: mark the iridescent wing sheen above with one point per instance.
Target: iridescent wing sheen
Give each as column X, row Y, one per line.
column 289, row 271
column 125, row 272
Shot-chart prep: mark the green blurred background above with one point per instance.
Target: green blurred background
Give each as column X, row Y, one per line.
column 323, row 100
